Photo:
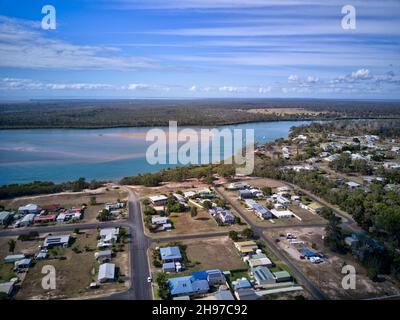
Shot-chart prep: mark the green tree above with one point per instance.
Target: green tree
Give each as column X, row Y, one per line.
column 248, row 233
column 233, row 235
column 93, row 201
column 11, row 245
column 193, row 212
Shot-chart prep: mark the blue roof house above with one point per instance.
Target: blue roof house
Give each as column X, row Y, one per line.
column 170, row 254
column 186, row 286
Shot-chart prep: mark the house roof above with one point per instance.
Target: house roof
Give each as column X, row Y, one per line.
column 281, row 275
column 109, row 232
column 170, row 253
column 200, row 275
column 29, row 207
column 242, row 284
column 247, row 294
column 168, row 265
column 4, row 215
column 262, row 273
column 187, row 285
column 315, row 205
column 158, row 198
column 224, row 295
column 106, row 271
column 53, row 240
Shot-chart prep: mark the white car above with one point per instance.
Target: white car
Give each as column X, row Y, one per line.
column 149, row 279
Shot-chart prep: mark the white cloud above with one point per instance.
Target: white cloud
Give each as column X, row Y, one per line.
column 311, row 79
column 264, row 89
column 193, row 88
column 23, row 45
column 361, row 74
column 293, row 78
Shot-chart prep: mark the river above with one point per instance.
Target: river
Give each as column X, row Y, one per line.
column 66, row 154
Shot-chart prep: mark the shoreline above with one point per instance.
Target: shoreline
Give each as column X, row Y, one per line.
column 191, row 125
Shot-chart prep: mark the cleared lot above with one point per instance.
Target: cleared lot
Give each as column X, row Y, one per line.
column 327, row 275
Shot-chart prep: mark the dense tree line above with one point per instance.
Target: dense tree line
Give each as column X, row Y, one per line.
column 46, row 187
column 139, row 113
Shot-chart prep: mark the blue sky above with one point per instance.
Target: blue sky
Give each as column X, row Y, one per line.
column 200, row 49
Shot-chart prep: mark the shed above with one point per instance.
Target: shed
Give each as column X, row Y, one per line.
column 106, row 272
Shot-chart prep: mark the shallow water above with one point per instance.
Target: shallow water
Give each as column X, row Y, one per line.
column 67, row 154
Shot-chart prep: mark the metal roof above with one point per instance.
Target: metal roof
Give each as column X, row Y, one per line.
column 170, row 253
column 106, row 271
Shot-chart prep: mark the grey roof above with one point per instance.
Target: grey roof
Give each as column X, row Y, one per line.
column 172, row 253
column 224, row 295
column 56, row 240
column 106, row 271
column 7, row 287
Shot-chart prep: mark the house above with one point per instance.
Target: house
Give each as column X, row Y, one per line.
column 259, row 259
column 391, row 165
column 169, row 267
column 180, row 198
column 7, row 287
column 236, row 186
column 30, row 208
column 170, row 254
column 41, row 255
column 157, row 220
column 215, row 277
column 187, row 286
column 56, row 241
column 23, row 264
column 309, row 253
column 13, row 258
column 109, row 234
column 371, row 179
column 226, row 217
column 282, row 214
column 26, row 221
column 261, row 211
column 45, row 219
column 246, row 247
column 313, row 207
column 352, row 185
column 223, row 295
column 246, row 294
column 242, row 284
column 159, row 200
column 5, row 217
column 51, row 207
column 245, row 194
column 113, row 206
column 104, row 255
column 189, row 194
column 106, row 272
column 282, row 276
column 351, row 241
column 263, row 275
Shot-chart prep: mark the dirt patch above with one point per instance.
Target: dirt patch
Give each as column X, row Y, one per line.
column 76, row 199
column 327, row 276
column 74, row 272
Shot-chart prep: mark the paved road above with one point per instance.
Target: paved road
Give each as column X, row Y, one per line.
column 139, row 289
column 258, row 231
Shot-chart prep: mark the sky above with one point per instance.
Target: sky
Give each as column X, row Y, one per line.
column 200, row 49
